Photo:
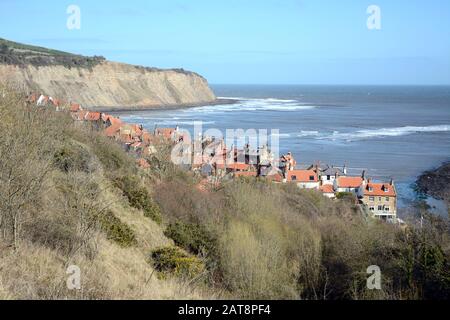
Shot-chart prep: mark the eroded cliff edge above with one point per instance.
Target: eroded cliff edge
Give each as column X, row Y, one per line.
column 113, row 85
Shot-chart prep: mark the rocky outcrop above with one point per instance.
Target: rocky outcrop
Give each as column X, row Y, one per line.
column 111, row 85
column 436, row 183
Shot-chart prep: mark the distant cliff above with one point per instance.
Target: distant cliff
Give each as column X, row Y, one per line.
column 97, row 83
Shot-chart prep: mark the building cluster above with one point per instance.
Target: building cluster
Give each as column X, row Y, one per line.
column 134, row 138
column 213, row 160
column 217, row 162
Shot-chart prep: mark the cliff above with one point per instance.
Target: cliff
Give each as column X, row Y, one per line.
column 97, row 83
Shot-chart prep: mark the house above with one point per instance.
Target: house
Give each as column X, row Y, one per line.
column 380, row 199
column 348, row 184
column 42, row 100
column 328, row 191
column 226, row 168
column 166, row 133
column 305, row 179
column 329, row 174
column 75, row 107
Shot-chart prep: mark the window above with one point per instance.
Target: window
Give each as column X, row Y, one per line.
column 387, row 199
column 371, row 198
column 386, row 209
column 380, row 208
column 328, row 177
column 311, row 178
column 294, row 178
column 379, row 199
column 372, row 208
column 370, row 189
column 386, row 189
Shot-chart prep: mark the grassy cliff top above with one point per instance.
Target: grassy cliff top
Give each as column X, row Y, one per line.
column 14, row 53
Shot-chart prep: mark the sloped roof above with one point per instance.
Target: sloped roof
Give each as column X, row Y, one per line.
column 302, row 176
column 349, row 182
column 380, row 189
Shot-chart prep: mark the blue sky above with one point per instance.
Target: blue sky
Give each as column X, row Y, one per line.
column 251, row 41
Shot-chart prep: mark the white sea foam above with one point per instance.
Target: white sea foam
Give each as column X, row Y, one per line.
column 384, row 132
column 306, row 133
column 246, row 104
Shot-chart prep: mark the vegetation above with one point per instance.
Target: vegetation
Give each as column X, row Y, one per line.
column 68, row 196
column 175, row 261
column 138, row 196
column 117, row 231
column 21, row 54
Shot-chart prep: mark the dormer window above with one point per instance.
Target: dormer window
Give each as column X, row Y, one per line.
column 370, row 189
column 311, row 178
column 386, row 189
column 294, row 178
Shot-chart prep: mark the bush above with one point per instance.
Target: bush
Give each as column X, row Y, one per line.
column 117, row 231
column 345, row 196
column 111, row 155
column 72, row 157
column 175, row 261
column 192, row 237
column 139, row 197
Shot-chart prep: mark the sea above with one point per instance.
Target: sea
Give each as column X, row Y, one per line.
column 392, row 132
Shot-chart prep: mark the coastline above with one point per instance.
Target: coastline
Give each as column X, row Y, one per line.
column 435, row 182
column 434, row 185
column 119, row 110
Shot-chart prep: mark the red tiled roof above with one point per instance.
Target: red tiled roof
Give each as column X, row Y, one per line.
column 302, row 176
column 165, row 132
column 111, row 131
column 74, row 107
column 275, row 177
column 327, row 188
column 92, row 116
column 234, row 166
column 380, row 190
column 111, row 119
column 349, row 182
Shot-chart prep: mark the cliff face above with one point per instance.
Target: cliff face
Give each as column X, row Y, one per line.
column 112, row 85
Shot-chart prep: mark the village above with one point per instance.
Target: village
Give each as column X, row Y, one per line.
column 211, row 159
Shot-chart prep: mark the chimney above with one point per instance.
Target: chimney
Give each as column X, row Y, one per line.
column 345, row 169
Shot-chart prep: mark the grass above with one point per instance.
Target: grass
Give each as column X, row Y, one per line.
column 248, row 239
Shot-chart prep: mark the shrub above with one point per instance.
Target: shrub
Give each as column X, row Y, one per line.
column 139, row 197
column 175, row 261
column 117, row 231
column 111, row 155
column 345, row 196
column 193, row 237
column 72, row 157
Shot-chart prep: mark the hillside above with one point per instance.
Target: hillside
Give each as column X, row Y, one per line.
column 97, row 83
column 70, row 196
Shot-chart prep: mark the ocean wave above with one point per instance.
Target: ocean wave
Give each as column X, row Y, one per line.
column 269, row 104
column 384, row 132
column 306, row 133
